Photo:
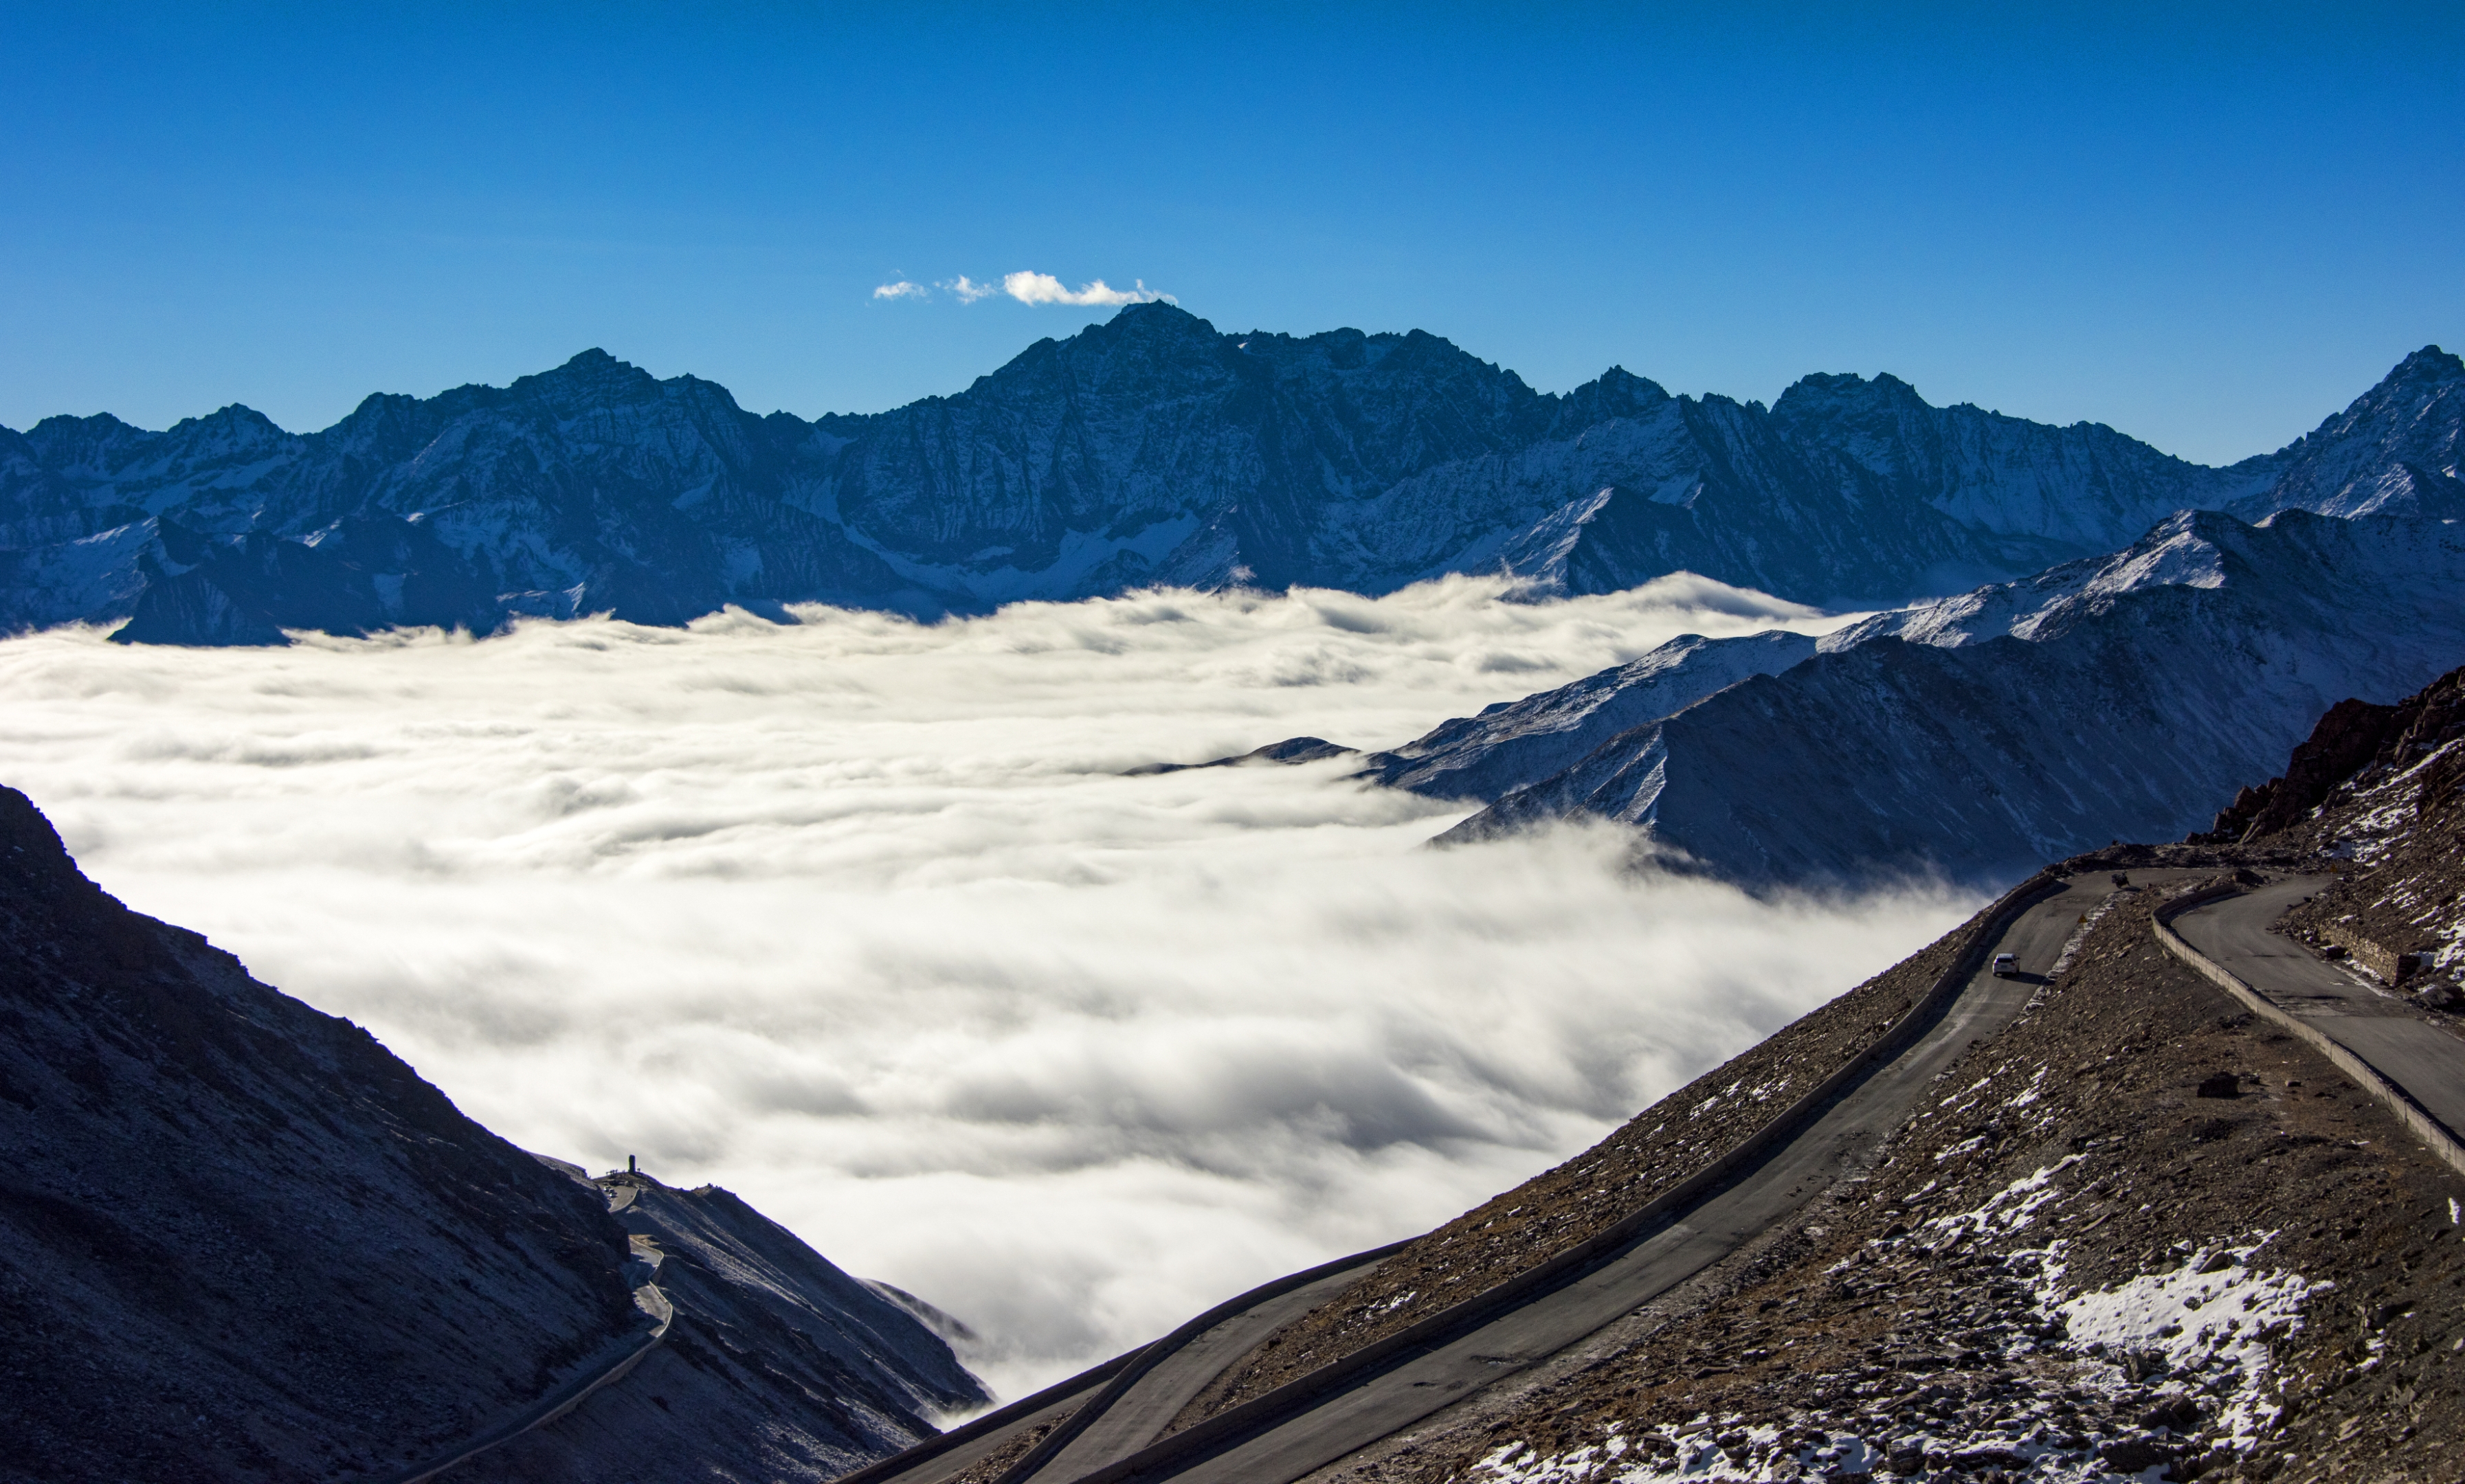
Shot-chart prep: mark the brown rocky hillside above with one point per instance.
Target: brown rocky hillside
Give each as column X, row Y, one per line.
column 2078, row 1264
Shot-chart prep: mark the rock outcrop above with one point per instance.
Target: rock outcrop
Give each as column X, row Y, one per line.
column 2384, row 788
column 2353, row 736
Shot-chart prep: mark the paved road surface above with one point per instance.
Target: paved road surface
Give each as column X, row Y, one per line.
column 1835, row 1144
column 2425, row 1060
column 940, row 1466
column 1138, row 1416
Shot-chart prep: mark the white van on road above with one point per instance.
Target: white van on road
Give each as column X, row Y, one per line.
column 2006, row 965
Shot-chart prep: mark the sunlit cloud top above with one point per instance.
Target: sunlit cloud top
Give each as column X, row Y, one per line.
column 872, row 921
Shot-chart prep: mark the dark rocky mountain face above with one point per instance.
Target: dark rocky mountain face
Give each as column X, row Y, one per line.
column 1151, row 449
column 1976, row 736
column 239, row 1239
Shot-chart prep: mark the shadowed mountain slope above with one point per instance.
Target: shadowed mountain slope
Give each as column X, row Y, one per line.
column 1977, row 736
column 779, row 1367
column 240, row 1239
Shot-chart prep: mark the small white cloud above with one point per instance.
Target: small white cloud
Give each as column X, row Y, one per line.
column 903, row 289
column 1043, row 288
column 968, row 291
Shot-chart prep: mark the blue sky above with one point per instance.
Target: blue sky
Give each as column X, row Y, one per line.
column 2208, row 227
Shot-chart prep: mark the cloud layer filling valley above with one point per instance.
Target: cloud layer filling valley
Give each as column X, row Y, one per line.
column 861, row 919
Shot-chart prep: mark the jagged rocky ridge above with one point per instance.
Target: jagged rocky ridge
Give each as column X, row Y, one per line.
column 1148, row 450
column 238, row 1238
column 2359, row 745
column 1976, row 736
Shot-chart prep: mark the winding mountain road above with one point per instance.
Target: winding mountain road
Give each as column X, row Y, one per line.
column 560, row 1400
column 1124, row 1442
column 963, row 1448
column 1133, row 1396
column 2425, row 1060
column 1138, row 1416
column 1840, row 1141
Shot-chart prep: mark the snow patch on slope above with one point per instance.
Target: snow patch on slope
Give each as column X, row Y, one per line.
column 2206, row 1326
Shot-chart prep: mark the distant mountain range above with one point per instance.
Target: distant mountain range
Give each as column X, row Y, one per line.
column 1152, row 449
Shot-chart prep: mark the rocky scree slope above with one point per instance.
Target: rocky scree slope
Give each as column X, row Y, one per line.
column 1149, row 450
column 1974, row 737
column 238, row 1239
column 2137, row 1236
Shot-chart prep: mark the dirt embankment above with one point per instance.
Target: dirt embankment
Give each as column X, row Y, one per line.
column 1655, row 1151
column 2138, row 1232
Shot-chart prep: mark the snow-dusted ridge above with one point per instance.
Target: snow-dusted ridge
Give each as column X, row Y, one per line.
column 1976, row 736
column 2182, row 551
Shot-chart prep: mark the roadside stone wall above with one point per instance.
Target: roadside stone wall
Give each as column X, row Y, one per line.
column 2371, row 953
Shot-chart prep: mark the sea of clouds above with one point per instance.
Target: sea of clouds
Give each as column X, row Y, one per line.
column 863, row 920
